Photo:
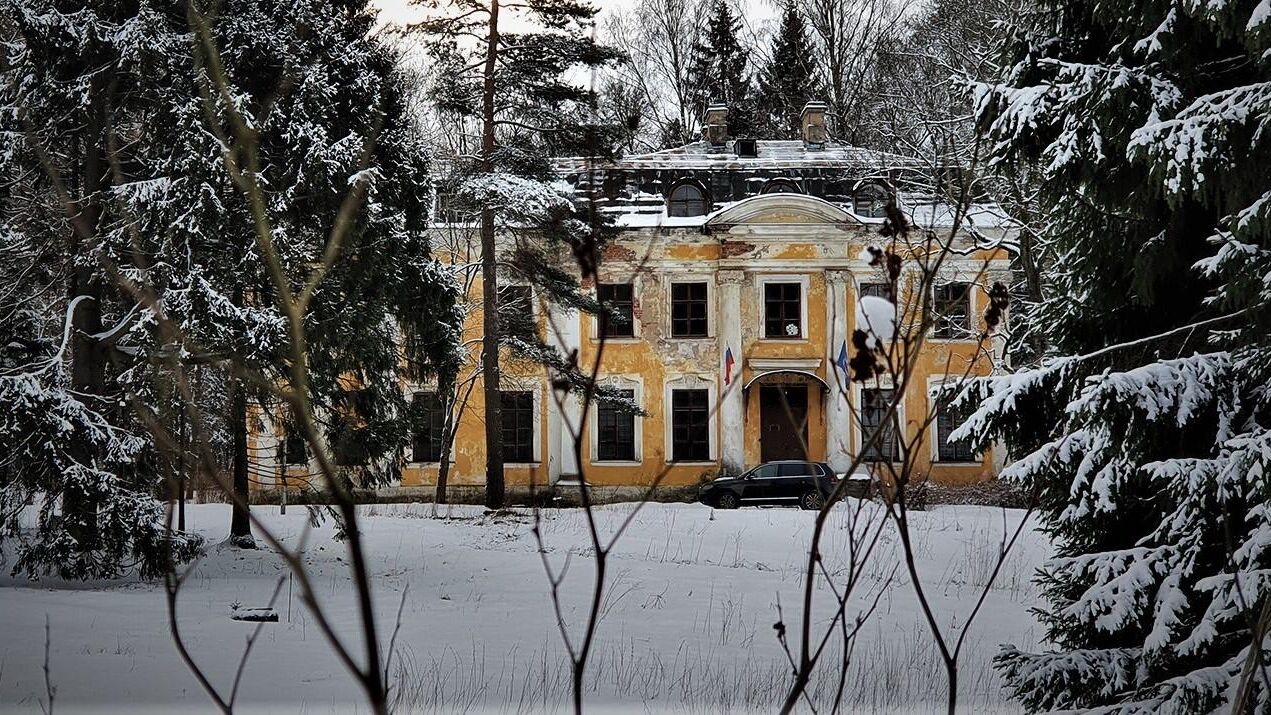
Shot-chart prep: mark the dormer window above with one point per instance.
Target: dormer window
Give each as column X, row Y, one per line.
column 781, row 186
column 870, row 201
column 687, row 199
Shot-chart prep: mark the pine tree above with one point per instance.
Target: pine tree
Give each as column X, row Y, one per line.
column 789, row 81
column 1147, row 433
column 515, row 88
column 719, row 71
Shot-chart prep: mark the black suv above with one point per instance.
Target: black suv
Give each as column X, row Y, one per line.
column 807, row 484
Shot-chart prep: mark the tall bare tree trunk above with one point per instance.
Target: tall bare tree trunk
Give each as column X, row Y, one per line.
column 443, row 467
column 181, row 479
column 240, row 528
column 494, row 487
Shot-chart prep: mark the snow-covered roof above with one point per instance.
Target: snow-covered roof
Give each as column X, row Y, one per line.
column 922, row 214
column 770, row 154
column 636, row 184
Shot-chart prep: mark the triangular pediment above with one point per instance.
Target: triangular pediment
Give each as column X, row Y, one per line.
column 781, row 209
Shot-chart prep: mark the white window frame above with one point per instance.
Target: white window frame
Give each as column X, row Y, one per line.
column 761, row 281
column 933, row 386
column 537, row 440
column 868, row 185
column 857, row 294
column 635, row 383
column 637, row 329
column 973, row 287
column 691, row 381
column 690, row 277
column 858, row 426
column 411, row 389
column 274, row 438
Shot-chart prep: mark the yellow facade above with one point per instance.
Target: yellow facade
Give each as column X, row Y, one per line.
column 781, row 237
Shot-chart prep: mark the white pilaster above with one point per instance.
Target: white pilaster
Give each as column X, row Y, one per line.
column 564, row 333
column 838, row 418
column 732, row 405
column 267, row 443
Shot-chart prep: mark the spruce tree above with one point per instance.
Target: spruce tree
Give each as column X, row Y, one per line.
column 76, row 449
column 789, row 80
column 168, row 223
column 1147, row 432
column 719, row 73
column 325, row 102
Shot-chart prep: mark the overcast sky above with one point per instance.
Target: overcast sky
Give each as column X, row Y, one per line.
column 399, row 11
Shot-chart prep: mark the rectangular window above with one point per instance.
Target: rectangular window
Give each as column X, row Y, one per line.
column 783, row 310
column 690, row 426
column 947, row 420
column 618, row 299
column 688, row 310
column 429, row 421
column 952, row 308
column 348, row 435
column 292, row 449
column 516, row 313
column 877, row 290
column 796, row 469
column 518, row 426
column 615, row 428
column 875, row 404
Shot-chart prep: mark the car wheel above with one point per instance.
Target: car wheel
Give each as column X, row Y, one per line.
column 727, row 500
column 812, row 501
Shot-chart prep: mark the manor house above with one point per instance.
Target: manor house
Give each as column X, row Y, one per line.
column 736, row 275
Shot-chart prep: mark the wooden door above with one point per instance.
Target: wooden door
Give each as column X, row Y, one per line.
column 783, row 422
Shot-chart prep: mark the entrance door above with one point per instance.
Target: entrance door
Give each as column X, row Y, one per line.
column 783, row 422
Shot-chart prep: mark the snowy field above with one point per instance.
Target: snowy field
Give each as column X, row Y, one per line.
column 686, row 626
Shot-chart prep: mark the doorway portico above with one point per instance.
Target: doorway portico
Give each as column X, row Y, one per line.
column 784, row 409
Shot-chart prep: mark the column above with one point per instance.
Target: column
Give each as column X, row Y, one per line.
column 564, row 411
column 732, row 404
column 838, row 418
column 267, row 447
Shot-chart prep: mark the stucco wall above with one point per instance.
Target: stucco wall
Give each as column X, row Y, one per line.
column 790, row 247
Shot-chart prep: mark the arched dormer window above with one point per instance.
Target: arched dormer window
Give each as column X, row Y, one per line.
column 688, row 199
column 781, row 186
column 870, row 201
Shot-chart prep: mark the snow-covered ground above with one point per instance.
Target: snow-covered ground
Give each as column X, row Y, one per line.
column 687, row 622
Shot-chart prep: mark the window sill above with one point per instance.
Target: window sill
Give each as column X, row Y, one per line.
column 626, row 340
column 617, row 463
column 939, row 463
column 801, row 339
column 522, row 465
column 707, row 463
column 691, row 337
column 968, row 338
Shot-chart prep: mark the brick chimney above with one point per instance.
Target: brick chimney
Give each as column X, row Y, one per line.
column 715, row 125
column 813, row 122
